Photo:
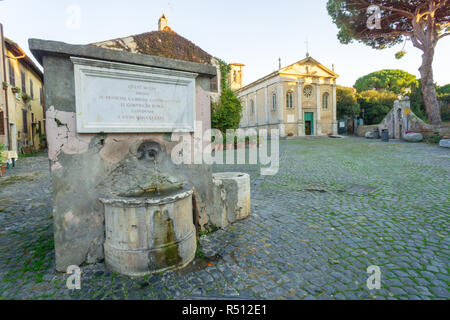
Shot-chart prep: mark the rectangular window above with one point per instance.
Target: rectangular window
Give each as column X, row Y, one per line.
column 41, row 96
column 274, row 102
column 12, row 75
column 31, row 89
column 39, row 127
column 2, row 124
column 24, row 87
column 25, row 121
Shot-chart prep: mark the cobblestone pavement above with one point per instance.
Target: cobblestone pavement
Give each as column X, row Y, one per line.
column 336, row 207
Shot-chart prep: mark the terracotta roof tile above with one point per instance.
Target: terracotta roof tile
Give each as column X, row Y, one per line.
column 165, row 43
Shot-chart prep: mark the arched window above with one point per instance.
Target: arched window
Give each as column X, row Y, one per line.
column 290, row 100
column 325, row 99
column 274, row 101
column 252, row 106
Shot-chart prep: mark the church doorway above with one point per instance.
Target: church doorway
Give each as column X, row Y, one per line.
column 309, row 123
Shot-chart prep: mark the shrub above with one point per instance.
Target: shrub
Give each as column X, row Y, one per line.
column 226, row 113
column 376, row 105
column 3, row 159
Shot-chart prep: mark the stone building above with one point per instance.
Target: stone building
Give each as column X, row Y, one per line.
column 22, row 104
column 3, row 94
column 299, row 100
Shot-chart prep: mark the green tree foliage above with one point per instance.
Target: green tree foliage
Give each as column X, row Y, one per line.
column 347, row 103
column 404, row 83
column 384, row 23
column 397, row 81
column 226, row 113
column 224, row 71
column 444, row 89
column 417, row 104
column 443, row 94
column 2, row 157
column 375, row 105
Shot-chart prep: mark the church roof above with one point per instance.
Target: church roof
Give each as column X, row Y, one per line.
column 298, row 69
column 311, row 61
column 166, row 43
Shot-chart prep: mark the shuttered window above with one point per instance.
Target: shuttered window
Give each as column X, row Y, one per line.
column 25, row 121
column 12, row 75
column 31, row 89
column 24, row 87
column 2, row 124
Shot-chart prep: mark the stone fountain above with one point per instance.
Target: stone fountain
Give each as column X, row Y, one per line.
column 117, row 195
column 149, row 224
column 112, row 120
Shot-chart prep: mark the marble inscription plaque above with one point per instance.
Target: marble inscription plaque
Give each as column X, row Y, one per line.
column 116, row 97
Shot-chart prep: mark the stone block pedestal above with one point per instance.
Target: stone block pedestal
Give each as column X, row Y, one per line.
column 231, row 198
column 445, row 143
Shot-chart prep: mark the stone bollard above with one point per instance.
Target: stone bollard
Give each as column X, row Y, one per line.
column 231, row 198
column 444, row 143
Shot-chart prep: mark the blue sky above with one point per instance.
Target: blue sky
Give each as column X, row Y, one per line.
column 255, row 33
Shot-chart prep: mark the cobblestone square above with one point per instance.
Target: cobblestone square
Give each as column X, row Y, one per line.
column 336, row 207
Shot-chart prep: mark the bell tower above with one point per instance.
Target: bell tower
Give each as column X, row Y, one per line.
column 162, row 23
column 235, row 76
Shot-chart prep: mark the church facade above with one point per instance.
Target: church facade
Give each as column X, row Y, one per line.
column 299, row 100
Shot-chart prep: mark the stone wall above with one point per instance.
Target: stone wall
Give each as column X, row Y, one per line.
column 362, row 130
column 82, row 164
column 401, row 119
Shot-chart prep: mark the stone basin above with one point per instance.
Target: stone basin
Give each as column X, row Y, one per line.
column 150, row 232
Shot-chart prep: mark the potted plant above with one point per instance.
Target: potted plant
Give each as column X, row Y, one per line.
column 3, row 161
column 5, row 85
column 15, row 90
column 26, row 98
column 43, row 140
column 253, row 142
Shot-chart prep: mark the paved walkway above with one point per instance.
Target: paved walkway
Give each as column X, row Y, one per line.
column 336, row 207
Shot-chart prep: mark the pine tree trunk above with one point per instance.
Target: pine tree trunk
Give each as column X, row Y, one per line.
column 428, row 87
